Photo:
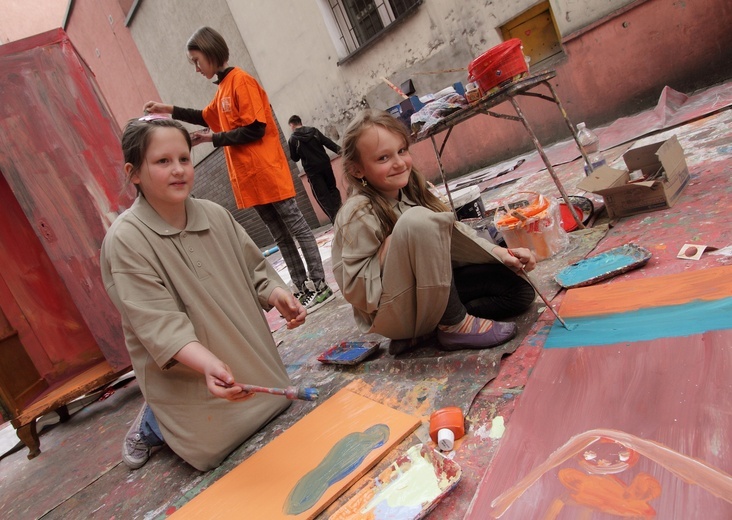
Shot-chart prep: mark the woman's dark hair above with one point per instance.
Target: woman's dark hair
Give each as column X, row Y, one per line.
column 136, row 139
column 211, row 44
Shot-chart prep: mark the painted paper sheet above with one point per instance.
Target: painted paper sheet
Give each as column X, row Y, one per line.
column 634, row 428
column 303, row 470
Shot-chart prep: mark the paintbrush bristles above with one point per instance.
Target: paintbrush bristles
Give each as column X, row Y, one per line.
column 305, row 394
column 308, row 394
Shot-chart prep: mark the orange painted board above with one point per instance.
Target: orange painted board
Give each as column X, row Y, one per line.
column 631, row 295
column 299, row 473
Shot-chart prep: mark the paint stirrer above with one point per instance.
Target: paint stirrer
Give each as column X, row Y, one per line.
column 546, row 302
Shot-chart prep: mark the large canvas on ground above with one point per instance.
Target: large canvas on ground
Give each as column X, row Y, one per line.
column 303, row 470
column 638, row 428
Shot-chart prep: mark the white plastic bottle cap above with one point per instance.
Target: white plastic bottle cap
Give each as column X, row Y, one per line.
column 445, row 439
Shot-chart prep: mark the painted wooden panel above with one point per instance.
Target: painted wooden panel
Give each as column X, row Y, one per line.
column 308, row 466
column 635, row 429
column 36, row 301
column 61, row 158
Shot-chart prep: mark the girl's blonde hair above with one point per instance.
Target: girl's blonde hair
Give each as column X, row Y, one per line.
column 416, row 188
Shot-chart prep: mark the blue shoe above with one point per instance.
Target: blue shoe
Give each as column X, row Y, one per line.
column 498, row 334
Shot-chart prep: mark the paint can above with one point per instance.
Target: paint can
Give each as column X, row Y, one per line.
column 447, row 425
column 530, row 220
column 468, row 203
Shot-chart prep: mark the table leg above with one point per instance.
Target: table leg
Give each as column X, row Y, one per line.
column 548, row 163
column 442, row 174
column 570, row 126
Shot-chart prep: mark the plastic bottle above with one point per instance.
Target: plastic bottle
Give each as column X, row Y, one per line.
column 446, row 426
column 591, row 143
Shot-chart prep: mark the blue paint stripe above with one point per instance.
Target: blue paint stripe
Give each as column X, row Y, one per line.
column 642, row 325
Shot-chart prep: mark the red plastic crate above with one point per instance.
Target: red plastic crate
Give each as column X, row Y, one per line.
column 497, row 65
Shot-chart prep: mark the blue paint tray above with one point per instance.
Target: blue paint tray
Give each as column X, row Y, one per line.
column 603, row 266
column 349, row 352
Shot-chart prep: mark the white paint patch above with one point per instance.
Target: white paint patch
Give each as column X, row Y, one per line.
column 482, row 432
column 497, row 428
column 725, row 251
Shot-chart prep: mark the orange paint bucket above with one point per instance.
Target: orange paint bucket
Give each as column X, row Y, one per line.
column 530, row 220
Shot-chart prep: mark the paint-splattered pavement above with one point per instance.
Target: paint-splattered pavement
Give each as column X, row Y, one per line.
column 79, row 473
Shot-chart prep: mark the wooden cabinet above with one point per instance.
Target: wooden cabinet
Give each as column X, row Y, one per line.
column 60, row 187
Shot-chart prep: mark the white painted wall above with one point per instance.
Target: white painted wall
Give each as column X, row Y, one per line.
column 287, row 45
column 23, row 18
column 297, row 59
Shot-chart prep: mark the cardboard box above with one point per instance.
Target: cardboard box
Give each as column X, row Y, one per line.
column 662, row 164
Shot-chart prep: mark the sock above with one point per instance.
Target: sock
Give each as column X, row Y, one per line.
column 466, row 325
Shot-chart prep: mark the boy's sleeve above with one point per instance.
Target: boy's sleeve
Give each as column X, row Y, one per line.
column 327, row 142
column 293, row 149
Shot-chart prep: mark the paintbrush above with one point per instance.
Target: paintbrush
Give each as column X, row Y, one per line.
column 546, row 302
column 291, row 392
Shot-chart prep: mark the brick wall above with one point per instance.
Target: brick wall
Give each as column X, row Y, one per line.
column 212, row 183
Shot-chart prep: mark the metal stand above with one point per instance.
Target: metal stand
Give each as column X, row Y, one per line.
column 483, row 106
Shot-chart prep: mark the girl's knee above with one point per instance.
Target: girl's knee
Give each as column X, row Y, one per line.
column 418, row 220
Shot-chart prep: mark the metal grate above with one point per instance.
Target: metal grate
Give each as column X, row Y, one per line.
column 360, row 21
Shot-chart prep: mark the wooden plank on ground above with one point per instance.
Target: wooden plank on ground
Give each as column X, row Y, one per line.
column 308, row 466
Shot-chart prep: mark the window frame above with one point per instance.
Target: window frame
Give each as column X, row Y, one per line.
column 342, row 31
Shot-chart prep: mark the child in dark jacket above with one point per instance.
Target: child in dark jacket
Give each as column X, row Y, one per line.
column 308, row 144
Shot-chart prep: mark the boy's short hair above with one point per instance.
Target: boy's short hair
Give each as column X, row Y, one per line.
column 294, row 120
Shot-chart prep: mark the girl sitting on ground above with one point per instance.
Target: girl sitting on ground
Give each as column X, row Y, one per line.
column 405, row 264
column 190, row 286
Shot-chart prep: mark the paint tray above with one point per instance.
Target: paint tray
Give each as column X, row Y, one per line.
column 603, row 266
column 349, row 352
column 408, row 489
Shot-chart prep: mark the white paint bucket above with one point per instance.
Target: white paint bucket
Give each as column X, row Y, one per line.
column 468, row 203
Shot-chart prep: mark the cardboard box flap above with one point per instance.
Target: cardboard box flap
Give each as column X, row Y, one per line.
column 671, row 155
column 644, row 184
column 602, row 178
column 651, row 157
column 643, row 157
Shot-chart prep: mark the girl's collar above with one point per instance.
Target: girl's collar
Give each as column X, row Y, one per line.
column 221, row 74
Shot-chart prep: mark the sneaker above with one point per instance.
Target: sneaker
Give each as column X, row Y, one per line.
column 321, row 295
column 135, row 451
column 305, row 294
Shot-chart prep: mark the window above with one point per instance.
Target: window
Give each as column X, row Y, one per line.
column 359, row 22
column 537, row 31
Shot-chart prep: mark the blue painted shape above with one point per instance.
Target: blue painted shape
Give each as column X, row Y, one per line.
column 643, row 325
column 603, row 266
column 342, row 459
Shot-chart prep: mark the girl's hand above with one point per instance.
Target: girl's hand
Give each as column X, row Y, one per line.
column 201, row 136
column 220, row 383
column 219, row 379
column 517, row 259
column 153, row 107
column 290, row 307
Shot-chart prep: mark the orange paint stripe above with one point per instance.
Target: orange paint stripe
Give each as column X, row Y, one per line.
column 631, row 295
